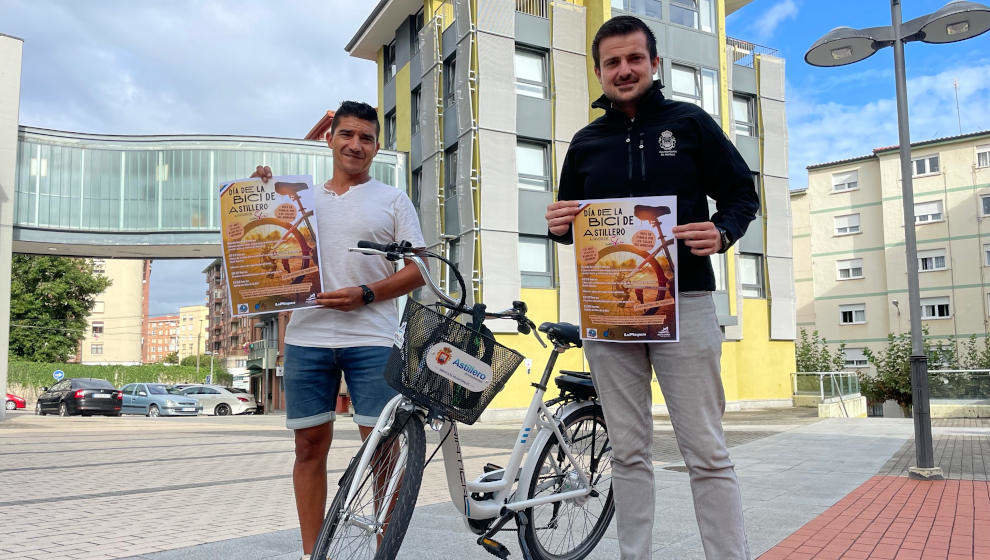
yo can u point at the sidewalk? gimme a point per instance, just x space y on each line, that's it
788 479
891 516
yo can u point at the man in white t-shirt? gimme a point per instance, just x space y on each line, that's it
352 331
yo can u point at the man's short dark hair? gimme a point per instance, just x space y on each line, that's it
623 25
358 110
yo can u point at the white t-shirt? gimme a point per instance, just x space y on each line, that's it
372 211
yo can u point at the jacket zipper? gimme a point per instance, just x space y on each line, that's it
629 159
642 158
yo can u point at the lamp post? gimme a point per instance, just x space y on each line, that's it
956 21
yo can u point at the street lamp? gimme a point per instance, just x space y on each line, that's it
956 21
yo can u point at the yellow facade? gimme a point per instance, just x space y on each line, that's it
193 326
755 369
113 331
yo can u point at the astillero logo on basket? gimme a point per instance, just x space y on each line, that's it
459 366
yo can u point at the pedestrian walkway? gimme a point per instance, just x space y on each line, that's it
891 516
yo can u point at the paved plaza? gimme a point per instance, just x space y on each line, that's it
220 487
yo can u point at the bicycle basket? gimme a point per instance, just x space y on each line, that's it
447 367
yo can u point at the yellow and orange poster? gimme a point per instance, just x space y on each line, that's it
627 269
270 247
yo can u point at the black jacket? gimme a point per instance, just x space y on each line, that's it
670 148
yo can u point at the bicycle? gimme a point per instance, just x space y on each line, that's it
556 486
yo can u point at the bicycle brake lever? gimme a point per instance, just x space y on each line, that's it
536 333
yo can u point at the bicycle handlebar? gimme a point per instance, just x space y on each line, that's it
405 251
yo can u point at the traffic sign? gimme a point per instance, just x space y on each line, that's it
58 374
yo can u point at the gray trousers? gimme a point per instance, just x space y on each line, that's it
689 375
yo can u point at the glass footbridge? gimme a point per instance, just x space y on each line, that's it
150 196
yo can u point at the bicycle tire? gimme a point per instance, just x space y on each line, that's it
655 266
528 533
308 255
331 538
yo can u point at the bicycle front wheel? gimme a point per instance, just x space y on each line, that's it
570 529
373 524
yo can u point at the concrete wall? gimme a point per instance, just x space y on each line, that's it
122 304
10 91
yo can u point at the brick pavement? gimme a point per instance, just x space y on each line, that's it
102 488
891 516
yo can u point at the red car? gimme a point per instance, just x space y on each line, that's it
13 401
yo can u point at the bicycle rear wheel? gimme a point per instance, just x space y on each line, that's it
570 529
391 480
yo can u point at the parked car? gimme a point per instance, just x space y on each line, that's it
245 393
80 395
156 399
220 401
13 401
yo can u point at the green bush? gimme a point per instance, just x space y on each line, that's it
39 374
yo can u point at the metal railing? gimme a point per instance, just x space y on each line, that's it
959 384
538 8
827 385
744 52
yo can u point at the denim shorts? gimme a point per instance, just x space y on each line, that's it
312 382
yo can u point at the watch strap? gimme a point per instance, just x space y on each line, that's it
367 294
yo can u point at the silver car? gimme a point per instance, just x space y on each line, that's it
220 401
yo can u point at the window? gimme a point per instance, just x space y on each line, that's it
415 186
846 225
852 314
931 260
692 13
414 109
388 62
935 308
849 269
451 217
97 307
650 8
718 267
454 256
925 212
845 181
751 275
531 73
855 358
531 166
926 165
986 254
417 22
449 68
744 114
97 328
695 86
390 130
983 156
96 349
535 261
99 266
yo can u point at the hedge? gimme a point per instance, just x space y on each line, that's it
39 374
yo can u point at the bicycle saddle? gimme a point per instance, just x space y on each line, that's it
289 188
562 332
650 213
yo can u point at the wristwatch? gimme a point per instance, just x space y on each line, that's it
367 294
726 240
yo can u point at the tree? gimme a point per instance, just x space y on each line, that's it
171 358
50 301
813 354
204 363
893 365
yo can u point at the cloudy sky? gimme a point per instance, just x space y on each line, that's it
273 68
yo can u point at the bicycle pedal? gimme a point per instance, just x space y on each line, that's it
495 548
490 467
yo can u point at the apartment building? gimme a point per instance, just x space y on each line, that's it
114 326
227 337
485 98
161 338
849 254
193 330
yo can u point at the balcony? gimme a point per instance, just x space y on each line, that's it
262 354
744 52
538 8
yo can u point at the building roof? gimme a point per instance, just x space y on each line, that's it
886 149
321 127
733 5
379 27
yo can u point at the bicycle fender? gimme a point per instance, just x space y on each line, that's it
541 439
453 465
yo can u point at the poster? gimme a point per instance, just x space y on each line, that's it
270 244
627 269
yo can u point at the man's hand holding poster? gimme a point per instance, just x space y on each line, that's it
270 247
627 269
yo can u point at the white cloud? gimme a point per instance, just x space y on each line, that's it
766 25
823 131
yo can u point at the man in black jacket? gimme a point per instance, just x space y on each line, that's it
646 145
